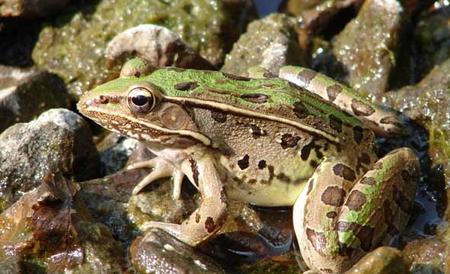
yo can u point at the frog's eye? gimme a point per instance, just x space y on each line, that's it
141 99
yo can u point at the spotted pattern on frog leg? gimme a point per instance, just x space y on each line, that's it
317 240
194 169
344 171
363 233
306 76
333 196
210 226
356 200
361 109
333 91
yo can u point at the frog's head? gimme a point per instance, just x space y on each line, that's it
137 108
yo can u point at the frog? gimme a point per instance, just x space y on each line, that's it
296 139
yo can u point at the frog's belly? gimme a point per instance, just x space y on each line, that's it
276 194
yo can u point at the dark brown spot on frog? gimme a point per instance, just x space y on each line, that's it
262 164
333 91
333 196
103 99
368 181
361 109
244 162
305 76
313 163
194 169
219 116
332 214
300 110
356 200
197 218
402 201
235 77
365 236
344 171
256 131
251 181
345 250
335 123
257 98
358 134
317 240
378 165
283 177
289 140
210 226
184 86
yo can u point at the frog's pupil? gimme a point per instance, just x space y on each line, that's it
140 100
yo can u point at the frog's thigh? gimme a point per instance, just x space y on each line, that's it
344 220
316 211
382 200
210 215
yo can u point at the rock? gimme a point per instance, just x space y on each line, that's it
48 229
58 141
428 255
30 9
27 93
428 103
366 47
73 45
156 44
160 252
383 260
269 43
432 37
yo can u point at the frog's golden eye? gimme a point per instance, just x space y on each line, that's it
141 100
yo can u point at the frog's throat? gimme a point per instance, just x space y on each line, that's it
244 112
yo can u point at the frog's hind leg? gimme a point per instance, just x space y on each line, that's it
161 169
381 120
338 218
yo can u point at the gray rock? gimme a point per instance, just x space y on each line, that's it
25 94
366 47
160 252
269 43
59 141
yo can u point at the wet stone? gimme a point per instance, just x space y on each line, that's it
58 141
26 93
161 252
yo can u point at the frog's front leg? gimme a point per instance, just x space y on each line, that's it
161 169
210 215
339 218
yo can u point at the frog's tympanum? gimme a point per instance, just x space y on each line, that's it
268 142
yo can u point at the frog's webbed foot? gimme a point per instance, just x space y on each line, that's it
161 169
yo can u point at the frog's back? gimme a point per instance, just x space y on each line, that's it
268 134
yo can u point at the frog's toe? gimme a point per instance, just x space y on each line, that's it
144 164
161 169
